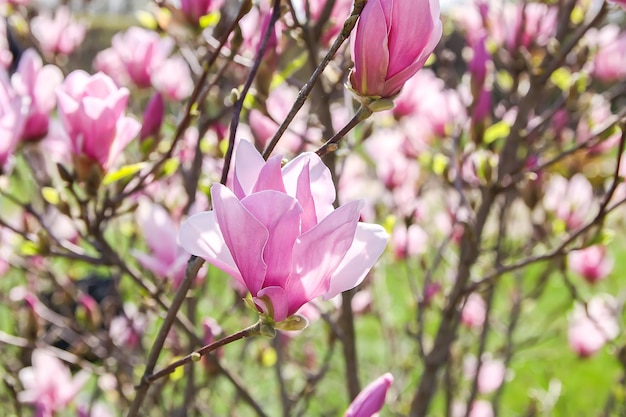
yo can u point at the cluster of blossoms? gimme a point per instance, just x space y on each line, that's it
479 164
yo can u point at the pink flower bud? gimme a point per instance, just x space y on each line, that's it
91 108
391 42
58 35
591 328
152 117
38 82
371 399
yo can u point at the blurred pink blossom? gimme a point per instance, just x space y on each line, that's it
140 51
529 24
490 376
390 43
592 263
430 106
48 384
195 9
474 311
589 330
571 200
126 330
333 24
609 63
408 241
371 399
38 82
167 259
13 114
91 108
278 104
278 233
173 79
60 34
153 118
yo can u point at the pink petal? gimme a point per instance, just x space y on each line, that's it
318 252
321 183
270 177
370 52
248 164
280 214
200 235
371 399
369 243
244 235
279 299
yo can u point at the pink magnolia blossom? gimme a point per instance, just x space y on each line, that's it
13 113
590 329
491 374
408 241
391 42
277 233
48 384
60 34
91 108
529 24
429 105
371 399
609 63
173 78
195 9
591 263
571 200
167 259
139 51
38 82
474 311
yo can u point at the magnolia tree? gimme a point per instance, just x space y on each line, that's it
319 207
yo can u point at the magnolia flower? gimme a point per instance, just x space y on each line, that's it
91 108
38 82
591 263
609 64
391 42
167 259
48 384
474 311
277 233
571 200
371 399
591 328
140 52
58 35
13 113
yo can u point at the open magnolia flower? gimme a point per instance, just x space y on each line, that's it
278 233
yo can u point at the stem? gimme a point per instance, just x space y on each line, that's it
308 87
253 330
349 344
193 266
331 145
